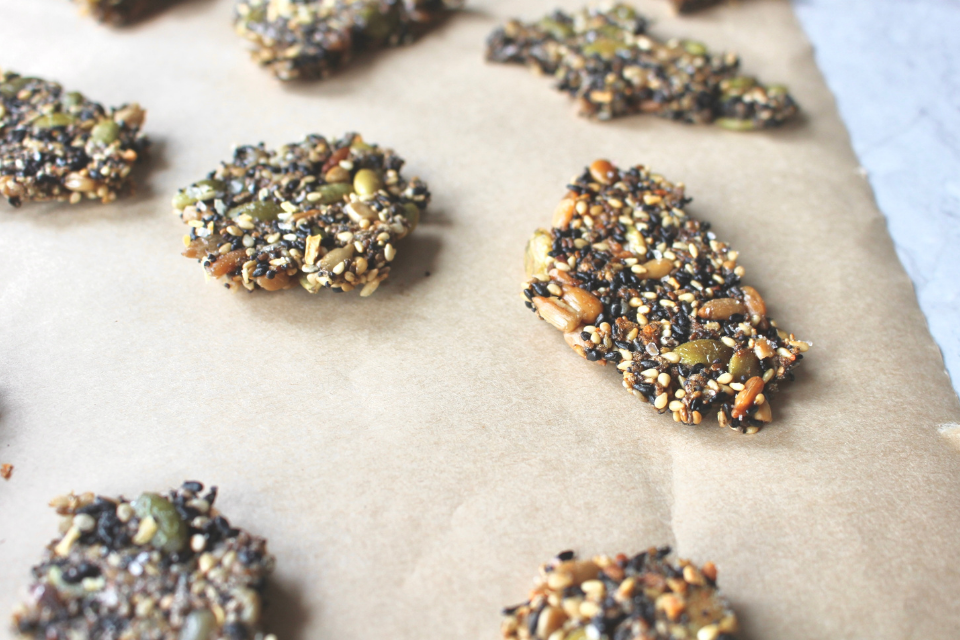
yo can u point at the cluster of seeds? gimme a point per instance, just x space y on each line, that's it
160 567
607 61
120 12
640 598
631 279
314 38
326 214
57 145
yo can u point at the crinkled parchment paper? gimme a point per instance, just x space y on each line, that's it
414 456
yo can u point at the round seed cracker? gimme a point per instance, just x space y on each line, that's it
57 145
640 598
163 567
318 213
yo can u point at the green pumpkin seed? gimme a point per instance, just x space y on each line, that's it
72 99
333 193
412 213
11 88
695 48
737 85
171 534
703 352
536 254
262 210
54 120
744 365
777 90
604 47
106 131
366 182
203 190
735 124
379 25
577 634
558 30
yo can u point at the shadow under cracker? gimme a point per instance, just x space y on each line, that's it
286 616
150 164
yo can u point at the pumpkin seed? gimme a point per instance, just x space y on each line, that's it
11 88
555 28
735 124
105 131
379 26
412 213
695 48
333 193
366 182
171 533
203 190
703 352
54 120
738 84
262 210
72 99
604 47
744 365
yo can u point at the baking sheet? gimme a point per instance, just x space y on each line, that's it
414 456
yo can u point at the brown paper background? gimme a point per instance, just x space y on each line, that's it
414 456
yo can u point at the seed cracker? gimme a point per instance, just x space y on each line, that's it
326 214
56 145
162 567
613 67
640 598
315 38
633 280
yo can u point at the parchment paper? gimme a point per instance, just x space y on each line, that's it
414 456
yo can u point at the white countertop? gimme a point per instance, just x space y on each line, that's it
894 67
